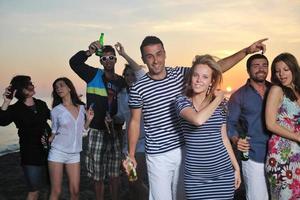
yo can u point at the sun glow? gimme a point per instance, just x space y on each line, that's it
228 88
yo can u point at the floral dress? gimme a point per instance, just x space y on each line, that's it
283 159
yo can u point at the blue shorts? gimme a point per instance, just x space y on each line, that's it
56 155
35 176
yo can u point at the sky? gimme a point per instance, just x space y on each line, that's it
38 37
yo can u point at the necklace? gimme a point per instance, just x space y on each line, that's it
198 107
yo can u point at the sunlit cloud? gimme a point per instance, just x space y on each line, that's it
217 27
66 25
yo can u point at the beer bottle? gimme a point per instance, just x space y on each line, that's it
46 140
132 176
99 51
245 154
109 123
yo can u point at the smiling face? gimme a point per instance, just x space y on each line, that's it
258 70
283 73
201 78
204 77
154 57
108 61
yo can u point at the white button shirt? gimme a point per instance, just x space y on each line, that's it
68 130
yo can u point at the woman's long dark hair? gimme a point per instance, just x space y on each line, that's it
74 97
293 65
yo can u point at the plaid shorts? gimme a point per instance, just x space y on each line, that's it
103 156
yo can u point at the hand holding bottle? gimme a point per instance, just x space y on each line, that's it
243 145
130 167
93 48
99 51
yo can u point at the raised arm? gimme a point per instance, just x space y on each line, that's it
120 49
230 61
78 65
273 103
5 111
198 118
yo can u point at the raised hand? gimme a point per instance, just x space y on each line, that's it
93 47
8 94
120 49
257 46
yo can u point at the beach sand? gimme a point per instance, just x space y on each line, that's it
12 185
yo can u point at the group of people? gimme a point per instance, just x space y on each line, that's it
179 129
69 119
268 114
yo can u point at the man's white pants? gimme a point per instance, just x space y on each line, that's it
255 180
165 173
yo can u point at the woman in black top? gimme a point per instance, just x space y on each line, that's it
30 116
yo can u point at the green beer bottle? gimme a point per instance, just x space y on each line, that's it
245 155
99 51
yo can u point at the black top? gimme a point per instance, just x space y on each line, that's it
31 125
95 78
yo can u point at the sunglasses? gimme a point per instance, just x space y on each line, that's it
107 58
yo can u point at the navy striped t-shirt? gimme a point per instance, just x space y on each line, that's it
156 98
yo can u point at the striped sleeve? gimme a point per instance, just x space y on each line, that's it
135 100
181 102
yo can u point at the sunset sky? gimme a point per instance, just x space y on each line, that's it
38 37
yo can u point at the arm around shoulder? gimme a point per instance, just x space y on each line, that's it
230 61
199 118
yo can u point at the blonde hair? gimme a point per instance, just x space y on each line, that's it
216 78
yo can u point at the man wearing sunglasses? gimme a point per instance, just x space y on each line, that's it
103 156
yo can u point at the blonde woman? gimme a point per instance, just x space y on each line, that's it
211 170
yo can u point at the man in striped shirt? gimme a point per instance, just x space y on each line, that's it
154 95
